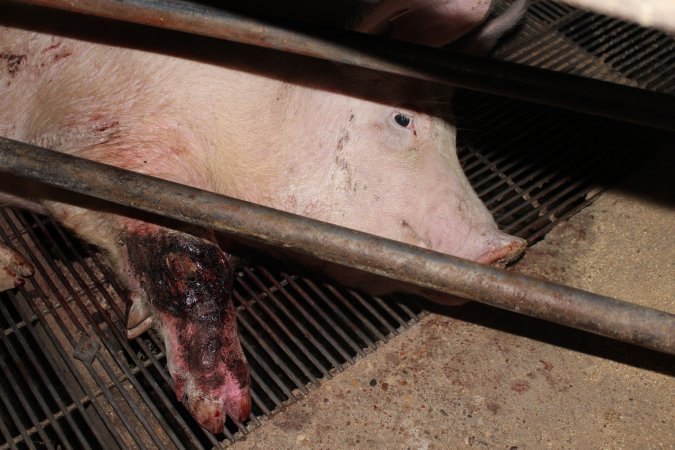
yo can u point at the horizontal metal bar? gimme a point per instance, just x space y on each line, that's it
537 298
432 64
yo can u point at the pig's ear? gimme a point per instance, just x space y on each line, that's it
427 22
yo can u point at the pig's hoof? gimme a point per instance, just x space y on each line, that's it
211 411
134 332
139 316
13 269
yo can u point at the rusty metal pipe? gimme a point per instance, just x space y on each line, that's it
432 64
609 317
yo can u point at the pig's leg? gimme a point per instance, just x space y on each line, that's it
13 266
185 282
139 315
13 269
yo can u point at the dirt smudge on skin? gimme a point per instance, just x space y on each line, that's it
344 176
54 46
409 230
64 54
344 139
107 126
14 62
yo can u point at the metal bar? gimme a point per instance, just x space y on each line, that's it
294 321
273 375
7 436
312 321
257 403
24 400
413 317
275 319
334 309
556 303
259 381
538 169
274 356
358 316
431 64
18 425
542 231
376 316
356 348
18 326
402 324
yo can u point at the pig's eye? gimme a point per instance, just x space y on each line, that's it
403 120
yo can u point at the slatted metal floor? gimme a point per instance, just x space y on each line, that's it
70 379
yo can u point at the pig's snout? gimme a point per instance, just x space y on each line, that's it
501 249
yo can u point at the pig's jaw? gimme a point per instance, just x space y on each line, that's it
188 282
501 249
484 244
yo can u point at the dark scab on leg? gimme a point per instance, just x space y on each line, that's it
179 271
188 283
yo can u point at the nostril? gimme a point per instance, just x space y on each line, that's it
504 251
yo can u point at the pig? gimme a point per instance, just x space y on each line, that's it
339 144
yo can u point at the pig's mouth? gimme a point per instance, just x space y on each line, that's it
503 252
500 253
187 281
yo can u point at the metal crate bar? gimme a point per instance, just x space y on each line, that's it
400 58
560 304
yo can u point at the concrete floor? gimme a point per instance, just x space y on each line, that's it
475 377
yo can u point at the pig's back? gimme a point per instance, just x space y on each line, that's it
69 94
60 92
